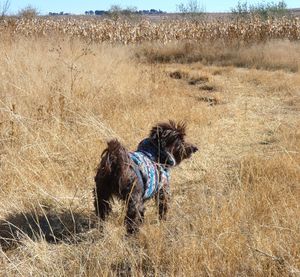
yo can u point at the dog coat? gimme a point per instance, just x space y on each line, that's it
152 175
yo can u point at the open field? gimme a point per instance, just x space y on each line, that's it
235 204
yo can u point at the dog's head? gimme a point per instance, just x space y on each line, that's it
170 138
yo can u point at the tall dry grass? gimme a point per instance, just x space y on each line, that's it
271 55
234 209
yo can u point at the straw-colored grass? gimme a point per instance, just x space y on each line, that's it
271 55
235 204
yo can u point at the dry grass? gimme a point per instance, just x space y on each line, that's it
271 55
235 207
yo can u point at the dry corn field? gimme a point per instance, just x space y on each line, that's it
235 205
125 32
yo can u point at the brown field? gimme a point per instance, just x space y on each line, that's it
235 204
139 30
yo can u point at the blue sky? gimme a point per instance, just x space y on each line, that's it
79 6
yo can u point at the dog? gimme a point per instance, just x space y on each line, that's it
138 176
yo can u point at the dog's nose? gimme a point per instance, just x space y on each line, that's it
195 149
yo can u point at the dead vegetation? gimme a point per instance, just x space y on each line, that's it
272 55
61 99
118 30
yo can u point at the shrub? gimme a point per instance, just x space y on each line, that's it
264 10
28 12
192 8
4 8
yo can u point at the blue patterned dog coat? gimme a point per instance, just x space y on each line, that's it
154 176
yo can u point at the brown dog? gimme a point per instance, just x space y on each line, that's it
138 176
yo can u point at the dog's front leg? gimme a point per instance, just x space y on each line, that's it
163 198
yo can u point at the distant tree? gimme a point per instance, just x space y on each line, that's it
131 9
192 8
28 12
100 12
4 7
56 14
117 11
89 12
263 9
241 9
268 9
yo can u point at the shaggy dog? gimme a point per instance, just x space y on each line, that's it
138 176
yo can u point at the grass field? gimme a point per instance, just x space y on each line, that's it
235 204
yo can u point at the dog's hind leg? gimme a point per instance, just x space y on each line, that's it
135 209
102 201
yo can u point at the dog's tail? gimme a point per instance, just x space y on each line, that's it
112 172
114 157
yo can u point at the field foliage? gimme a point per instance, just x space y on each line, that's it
94 29
63 94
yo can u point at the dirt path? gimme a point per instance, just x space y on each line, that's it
252 112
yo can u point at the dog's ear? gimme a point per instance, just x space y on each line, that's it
180 129
168 131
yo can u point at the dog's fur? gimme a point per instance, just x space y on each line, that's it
116 175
